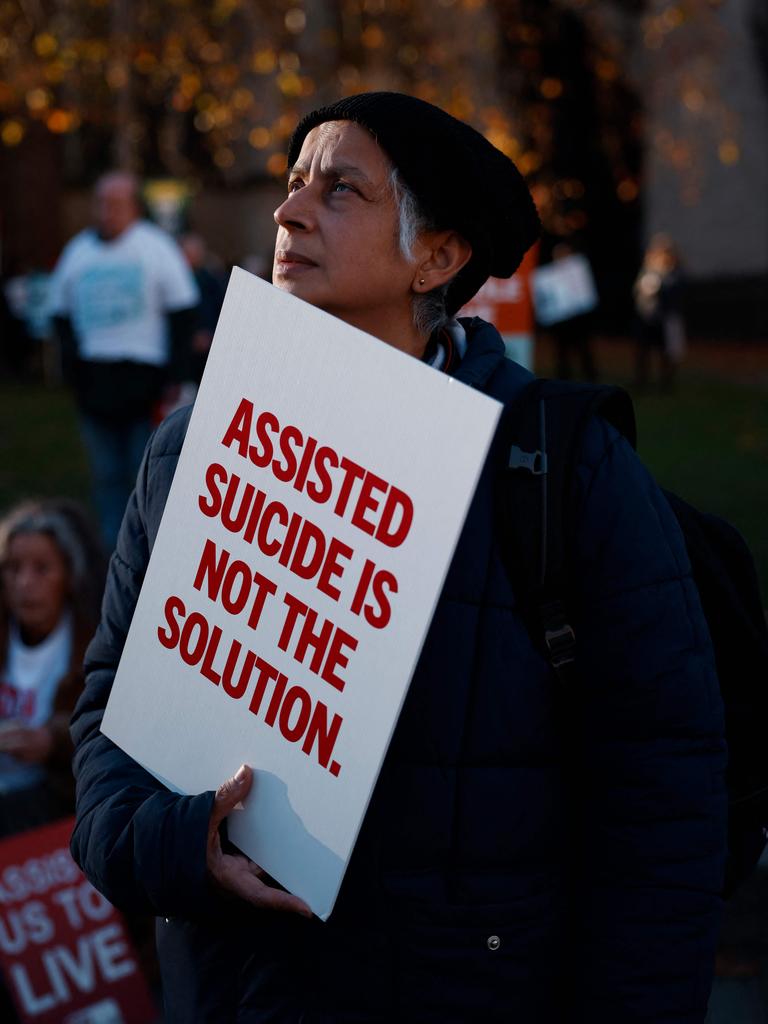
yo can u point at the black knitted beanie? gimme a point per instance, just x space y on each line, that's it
460 180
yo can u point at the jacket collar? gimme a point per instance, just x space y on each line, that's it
485 353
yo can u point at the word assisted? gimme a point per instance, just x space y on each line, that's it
370 503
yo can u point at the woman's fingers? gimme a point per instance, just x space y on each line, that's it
241 877
237 873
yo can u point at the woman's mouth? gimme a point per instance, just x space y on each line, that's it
289 262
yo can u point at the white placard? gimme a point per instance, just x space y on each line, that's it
241 648
563 289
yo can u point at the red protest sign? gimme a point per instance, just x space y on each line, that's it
64 952
507 302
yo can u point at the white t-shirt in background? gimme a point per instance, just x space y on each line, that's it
28 683
117 293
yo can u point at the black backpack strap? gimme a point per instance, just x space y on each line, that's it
545 426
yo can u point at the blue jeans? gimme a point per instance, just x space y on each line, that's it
114 453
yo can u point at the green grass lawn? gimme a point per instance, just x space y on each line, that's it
708 441
40 453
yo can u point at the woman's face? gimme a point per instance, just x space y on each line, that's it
36 583
337 240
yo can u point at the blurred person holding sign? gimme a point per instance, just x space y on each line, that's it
566 297
495 876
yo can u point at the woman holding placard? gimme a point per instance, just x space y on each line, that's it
478 889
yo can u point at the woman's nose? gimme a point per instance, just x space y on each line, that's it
296 211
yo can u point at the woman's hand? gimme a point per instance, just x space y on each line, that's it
32 746
235 872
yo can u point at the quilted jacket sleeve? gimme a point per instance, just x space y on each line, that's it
139 844
652 801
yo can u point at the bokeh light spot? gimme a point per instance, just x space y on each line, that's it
408 54
260 137
45 44
277 164
289 83
11 132
729 152
264 62
61 121
373 37
224 157
627 190
38 100
551 88
295 20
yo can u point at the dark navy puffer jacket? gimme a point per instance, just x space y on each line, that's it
519 862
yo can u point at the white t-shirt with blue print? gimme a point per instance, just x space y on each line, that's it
117 293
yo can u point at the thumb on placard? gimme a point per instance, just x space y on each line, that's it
230 793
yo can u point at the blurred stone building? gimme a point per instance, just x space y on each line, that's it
705 89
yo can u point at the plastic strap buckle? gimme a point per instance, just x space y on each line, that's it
561 644
532 462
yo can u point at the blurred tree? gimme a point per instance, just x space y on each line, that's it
209 90
579 133
190 86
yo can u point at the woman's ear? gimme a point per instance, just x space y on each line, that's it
444 253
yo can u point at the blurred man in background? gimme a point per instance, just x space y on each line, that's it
123 302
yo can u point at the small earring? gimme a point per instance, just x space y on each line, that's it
421 280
